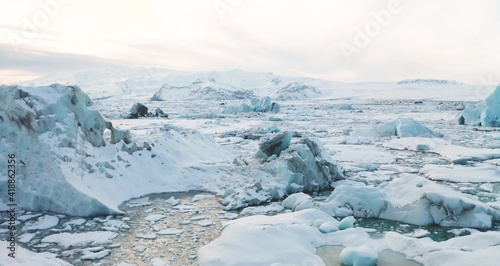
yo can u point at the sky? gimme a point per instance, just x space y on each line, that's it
339 40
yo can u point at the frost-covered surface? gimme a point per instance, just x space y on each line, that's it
485 113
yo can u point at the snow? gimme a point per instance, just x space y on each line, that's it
199 148
459 173
238 243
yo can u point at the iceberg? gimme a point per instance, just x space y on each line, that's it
411 199
485 113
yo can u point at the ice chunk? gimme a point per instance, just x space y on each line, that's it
263 104
328 227
358 256
412 199
347 222
404 128
81 239
170 231
44 222
485 113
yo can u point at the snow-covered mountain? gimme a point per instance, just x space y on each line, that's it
429 81
165 84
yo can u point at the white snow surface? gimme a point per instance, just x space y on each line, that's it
459 173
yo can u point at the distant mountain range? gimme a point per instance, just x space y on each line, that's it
428 81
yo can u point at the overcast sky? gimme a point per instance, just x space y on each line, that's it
341 40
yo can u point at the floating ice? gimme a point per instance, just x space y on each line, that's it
81 239
412 199
358 256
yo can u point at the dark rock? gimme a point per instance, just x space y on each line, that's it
138 110
275 145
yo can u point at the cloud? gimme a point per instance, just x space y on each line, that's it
454 39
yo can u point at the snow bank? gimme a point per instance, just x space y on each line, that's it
68 166
485 113
411 199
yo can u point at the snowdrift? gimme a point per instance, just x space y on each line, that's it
485 113
65 163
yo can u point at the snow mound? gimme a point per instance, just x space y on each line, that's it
485 113
411 199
